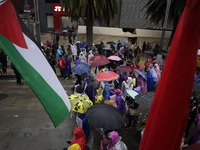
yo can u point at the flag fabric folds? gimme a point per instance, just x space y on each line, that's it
167 118
19 45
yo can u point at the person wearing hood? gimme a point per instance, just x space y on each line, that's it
90 56
89 89
153 73
79 138
139 67
67 66
59 52
140 81
106 94
114 142
147 63
127 85
82 58
77 61
82 121
158 72
119 100
118 45
150 81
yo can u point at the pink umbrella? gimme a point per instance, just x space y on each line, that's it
116 58
99 60
107 76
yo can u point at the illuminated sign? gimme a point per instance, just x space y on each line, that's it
57 9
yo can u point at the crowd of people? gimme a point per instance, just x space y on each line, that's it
103 92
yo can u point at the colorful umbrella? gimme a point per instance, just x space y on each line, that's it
81 68
123 69
141 74
99 60
132 93
115 58
80 103
105 116
107 76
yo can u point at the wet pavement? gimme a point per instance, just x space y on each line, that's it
25 125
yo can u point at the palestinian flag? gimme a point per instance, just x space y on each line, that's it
19 45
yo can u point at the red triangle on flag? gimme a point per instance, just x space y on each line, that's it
9 26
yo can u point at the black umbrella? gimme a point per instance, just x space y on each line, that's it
148 52
196 88
104 116
145 99
111 42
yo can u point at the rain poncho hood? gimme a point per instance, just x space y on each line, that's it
150 81
79 137
116 144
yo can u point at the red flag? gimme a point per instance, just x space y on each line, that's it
168 115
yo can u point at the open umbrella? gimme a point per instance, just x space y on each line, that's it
99 60
148 52
107 76
64 31
140 73
115 58
196 88
105 116
123 69
132 93
81 68
110 42
145 99
80 103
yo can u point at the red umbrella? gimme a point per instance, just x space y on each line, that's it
107 76
99 60
123 69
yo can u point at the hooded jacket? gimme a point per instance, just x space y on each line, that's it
79 138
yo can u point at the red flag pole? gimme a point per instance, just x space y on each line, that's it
169 111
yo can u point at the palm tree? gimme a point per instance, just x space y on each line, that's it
156 11
91 9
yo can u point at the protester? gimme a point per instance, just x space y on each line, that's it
79 138
90 56
113 142
162 62
158 72
62 66
17 74
119 99
140 81
150 81
153 73
127 85
106 94
89 89
67 66
82 58
59 52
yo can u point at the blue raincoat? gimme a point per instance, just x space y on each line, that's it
150 81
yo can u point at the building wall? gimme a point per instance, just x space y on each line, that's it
134 16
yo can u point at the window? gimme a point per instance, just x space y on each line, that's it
52 1
50 21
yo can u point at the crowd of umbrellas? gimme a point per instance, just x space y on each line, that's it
105 116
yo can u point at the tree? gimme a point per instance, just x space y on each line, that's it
156 11
91 9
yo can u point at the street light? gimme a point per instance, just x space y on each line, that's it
37 21
165 24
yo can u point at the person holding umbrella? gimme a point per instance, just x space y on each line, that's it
113 142
119 100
